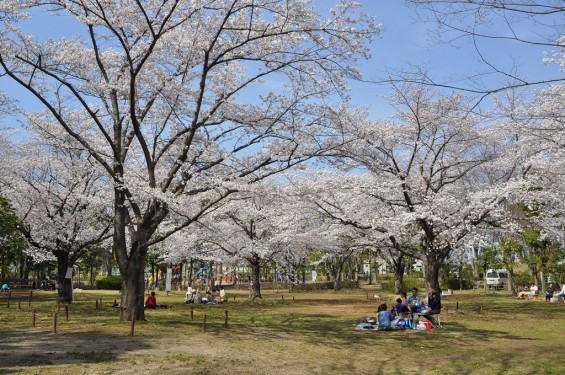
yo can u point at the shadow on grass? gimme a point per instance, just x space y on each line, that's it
26 349
335 332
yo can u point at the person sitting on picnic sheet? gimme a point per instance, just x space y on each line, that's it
433 307
197 296
5 287
190 298
189 293
151 302
210 298
404 300
222 295
385 318
414 301
398 306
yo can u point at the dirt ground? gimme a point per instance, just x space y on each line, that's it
26 352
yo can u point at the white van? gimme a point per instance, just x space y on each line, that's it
496 278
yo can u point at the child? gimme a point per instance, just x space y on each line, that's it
384 317
398 306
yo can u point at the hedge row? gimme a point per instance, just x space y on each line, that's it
113 282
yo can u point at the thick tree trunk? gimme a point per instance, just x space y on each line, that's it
255 263
133 287
432 268
65 286
132 263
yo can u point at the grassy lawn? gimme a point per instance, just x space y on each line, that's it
284 333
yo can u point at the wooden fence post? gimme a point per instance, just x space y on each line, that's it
191 312
55 322
226 321
204 324
132 328
67 313
33 313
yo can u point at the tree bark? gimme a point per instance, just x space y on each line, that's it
65 286
255 263
133 287
432 267
398 266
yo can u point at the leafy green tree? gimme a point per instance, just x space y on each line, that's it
12 242
510 251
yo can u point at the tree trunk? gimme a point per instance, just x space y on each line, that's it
511 283
334 267
255 263
432 268
65 286
110 263
133 288
132 265
398 267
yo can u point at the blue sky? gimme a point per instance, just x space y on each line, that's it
403 43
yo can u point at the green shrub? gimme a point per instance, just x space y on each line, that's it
454 284
113 282
522 278
413 282
408 282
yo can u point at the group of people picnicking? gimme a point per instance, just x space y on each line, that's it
409 307
195 296
192 296
533 291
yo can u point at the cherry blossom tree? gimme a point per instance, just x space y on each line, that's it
306 228
426 179
181 102
62 198
242 229
340 200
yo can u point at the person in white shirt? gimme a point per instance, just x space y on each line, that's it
189 292
533 291
561 294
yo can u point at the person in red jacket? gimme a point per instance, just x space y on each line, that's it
151 302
